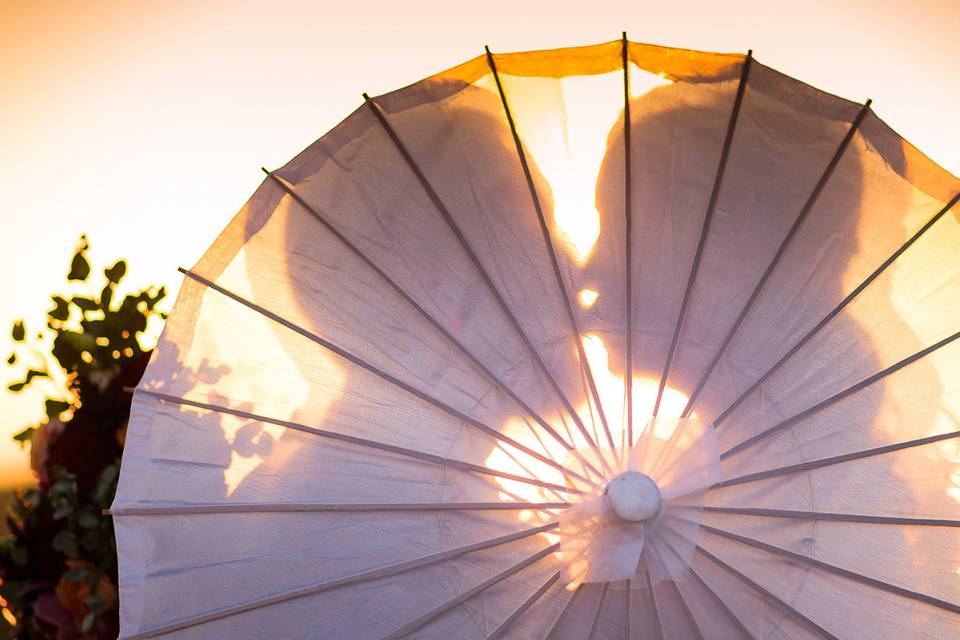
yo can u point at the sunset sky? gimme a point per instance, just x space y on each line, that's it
144 125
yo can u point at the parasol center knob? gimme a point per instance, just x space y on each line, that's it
634 497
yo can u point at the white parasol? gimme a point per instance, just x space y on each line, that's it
618 341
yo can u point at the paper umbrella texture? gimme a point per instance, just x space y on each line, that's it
618 341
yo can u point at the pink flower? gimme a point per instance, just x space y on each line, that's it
73 595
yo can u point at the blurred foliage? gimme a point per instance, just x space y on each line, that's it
58 565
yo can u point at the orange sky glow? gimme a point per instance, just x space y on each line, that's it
144 125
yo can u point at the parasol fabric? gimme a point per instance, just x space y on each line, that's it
618 341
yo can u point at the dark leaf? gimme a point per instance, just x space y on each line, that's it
91 540
106 296
109 474
79 267
31 374
116 272
56 407
106 484
152 302
87 623
76 576
63 475
88 520
86 304
66 543
62 511
95 603
61 309
12 359
69 346
19 555
19 331
25 435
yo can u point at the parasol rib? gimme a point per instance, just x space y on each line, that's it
866 382
824 462
441 609
776 601
363 442
423 312
628 210
379 373
655 608
285 507
627 601
731 616
688 614
471 254
596 613
369 574
564 611
504 626
708 216
832 568
835 311
548 243
781 250
833 517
